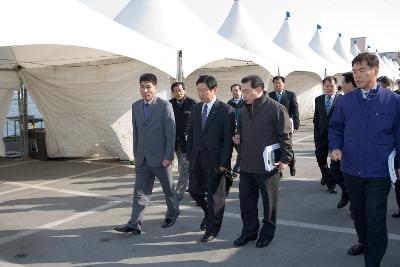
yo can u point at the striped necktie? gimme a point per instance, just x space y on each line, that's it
204 116
328 104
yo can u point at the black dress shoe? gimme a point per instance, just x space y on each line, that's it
243 240
168 222
203 224
332 190
323 180
396 214
343 201
261 242
292 170
356 249
127 229
207 237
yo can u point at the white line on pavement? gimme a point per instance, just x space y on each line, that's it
312 226
50 225
16 164
302 139
57 180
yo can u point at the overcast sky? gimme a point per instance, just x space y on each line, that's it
378 20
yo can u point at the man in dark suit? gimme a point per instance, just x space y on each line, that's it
182 105
209 151
236 102
289 101
324 108
153 134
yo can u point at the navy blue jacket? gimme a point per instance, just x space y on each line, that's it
366 131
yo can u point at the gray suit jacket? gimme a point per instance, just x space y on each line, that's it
153 138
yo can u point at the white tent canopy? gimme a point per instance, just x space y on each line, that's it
318 45
83 93
384 69
173 24
354 49
338 47
391 65
239 28
286 39
68 22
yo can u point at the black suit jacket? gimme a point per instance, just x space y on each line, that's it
321 120
289 101
215 138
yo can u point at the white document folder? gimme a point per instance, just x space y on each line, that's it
269 158
392 170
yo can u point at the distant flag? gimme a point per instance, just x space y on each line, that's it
319 27
340 35
287 14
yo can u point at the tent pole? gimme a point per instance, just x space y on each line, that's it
179 69
23 120
279 71
325 73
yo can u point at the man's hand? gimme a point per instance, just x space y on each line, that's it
236 139
281 166
336 155
166 163
222 169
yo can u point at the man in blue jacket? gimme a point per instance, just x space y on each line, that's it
364 130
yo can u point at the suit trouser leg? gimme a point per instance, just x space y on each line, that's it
369 204
397 191
321 153
197 186
164 175
238 158
183 169
141 194
216 187
248 196
269 188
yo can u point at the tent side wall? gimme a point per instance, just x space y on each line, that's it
307 87
226 76
5 103
87 109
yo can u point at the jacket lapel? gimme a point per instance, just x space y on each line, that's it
322 107
211 115
333 105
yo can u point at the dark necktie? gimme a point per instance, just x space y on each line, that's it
146 110
204 116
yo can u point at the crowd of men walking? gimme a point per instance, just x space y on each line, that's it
358 130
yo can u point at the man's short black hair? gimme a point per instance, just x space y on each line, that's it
348 78
278 78
254 80
236 84
209 80
148 77
175 84
371 59
331 79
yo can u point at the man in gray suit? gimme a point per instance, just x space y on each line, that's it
153 147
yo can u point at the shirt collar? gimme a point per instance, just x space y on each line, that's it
149 102
332 96
211 103
373 91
